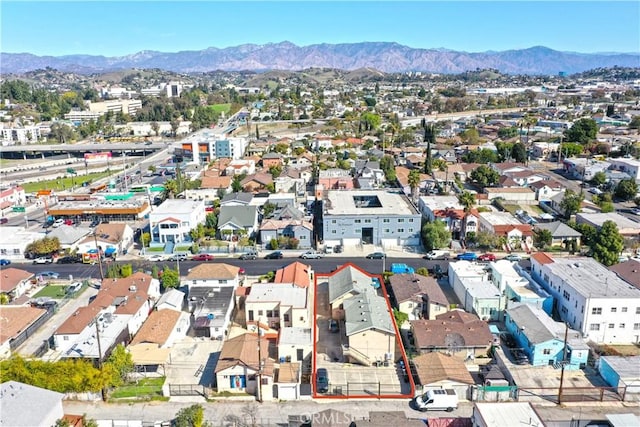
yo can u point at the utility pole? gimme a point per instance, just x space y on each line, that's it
259 388
564 362
95 239
103 390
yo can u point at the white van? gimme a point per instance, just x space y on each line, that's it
444 399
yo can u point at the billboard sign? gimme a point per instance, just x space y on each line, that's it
97 157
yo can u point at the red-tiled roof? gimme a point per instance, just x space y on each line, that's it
542 258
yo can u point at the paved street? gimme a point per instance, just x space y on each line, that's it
225 412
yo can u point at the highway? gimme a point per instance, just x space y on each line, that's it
416 121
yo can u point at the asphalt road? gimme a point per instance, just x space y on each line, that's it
252 268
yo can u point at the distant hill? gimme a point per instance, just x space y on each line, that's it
382 56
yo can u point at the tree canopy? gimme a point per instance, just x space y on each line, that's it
627 189
571 202
607 244
435 235
485 176
583 131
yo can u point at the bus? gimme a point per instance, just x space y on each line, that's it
97 188
140 188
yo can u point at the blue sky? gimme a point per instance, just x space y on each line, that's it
114 28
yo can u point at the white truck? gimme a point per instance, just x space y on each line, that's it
438 254
444 399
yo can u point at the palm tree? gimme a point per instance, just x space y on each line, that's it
170 188
414 182
467 200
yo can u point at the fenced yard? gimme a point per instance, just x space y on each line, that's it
146 388
52 291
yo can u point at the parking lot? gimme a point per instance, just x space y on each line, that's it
351 379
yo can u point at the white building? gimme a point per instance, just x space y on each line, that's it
125 106
428 205
590 298
19 135
276 306
14 241
629 166
475 290
174 218
209 145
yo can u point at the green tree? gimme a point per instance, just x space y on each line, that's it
211 221
170 278
470 136
430 139
467 200
571 202
236 185
120 363
275 171
486 240
61 133
435 235
519 153
126 270
423 271
268 209
508 132
485 176
171 188
484 155
145 238
197 233
627 189
599 179
570 149
542 238
400 317
583 131
607 244
370 121
192 416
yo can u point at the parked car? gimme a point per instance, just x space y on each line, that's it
249 255
202 257
635 211
4 220
322 380
333 326
68 260
57 223
467 256
95 223
48 275
487 257
377 255
43 260
274 255
438 254
595 191
311 255
4 261
513 257
68 222
156 258
178 257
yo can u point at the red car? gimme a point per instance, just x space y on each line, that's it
487 257
203 257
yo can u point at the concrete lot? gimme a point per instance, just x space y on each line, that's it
193 360
350 378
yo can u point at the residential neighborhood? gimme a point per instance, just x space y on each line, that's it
351 240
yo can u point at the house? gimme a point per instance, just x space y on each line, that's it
438 370
300 230
335 179
272 159
17 323
582 168
9 197
629 166
14 241
508 167
240 167
238 220
70 237
236 199
526 178
418 296
172 299
294 344
256 182
172 221
425 182
24 405
590 298
15 282
244 366
503 224
296 273
210 180
162 327
505 414
112 239
117 313
628 271
377 217
456 332
287 378
521 195
542 339
475 290
211 298
272 306
626 226
560 232
546 190
622 373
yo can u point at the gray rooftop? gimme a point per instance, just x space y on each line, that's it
558 229
591 279
26 405
210 300
367 311
244 198
625 367
368 202
348 280
243 216
295 336
538 326
68 235
173 298
598 219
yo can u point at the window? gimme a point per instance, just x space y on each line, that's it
358 221
411 230
333 221
564 310
546 351
637 310
286 317
269 313
333 231
367 221
596 310
222 282
594 327
622 326
410 219
386 230
636 326
623 309
611 325
385 220
614 309
66 338
260 312
400 230
566 295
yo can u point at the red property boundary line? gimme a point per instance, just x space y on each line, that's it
395 328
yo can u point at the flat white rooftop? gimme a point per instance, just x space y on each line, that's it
178 206
436 203
500 218
591 278
295 336
368 202
285 294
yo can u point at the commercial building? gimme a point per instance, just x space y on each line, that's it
208 146
375 217
125 106
590 298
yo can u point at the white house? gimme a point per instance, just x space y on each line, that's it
174 218
276 306
590 298
475 290
24 405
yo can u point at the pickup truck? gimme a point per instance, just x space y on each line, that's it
444 399
311 255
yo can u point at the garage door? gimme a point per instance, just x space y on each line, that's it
287 392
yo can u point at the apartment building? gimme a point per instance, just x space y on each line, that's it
590 298
12 135
174 218
125 106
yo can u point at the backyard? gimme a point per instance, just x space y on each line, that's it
52 291
145 388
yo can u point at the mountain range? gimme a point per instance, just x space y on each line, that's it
383 56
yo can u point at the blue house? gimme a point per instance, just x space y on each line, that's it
542 338
623 373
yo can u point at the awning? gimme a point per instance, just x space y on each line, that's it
149 354
110 250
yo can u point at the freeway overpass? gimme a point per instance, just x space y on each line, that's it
416 121
78 150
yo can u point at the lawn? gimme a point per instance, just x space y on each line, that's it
65 182
146 387
52 291
218 108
